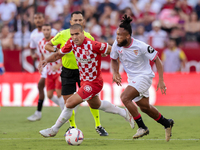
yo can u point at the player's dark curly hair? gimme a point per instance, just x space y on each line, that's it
125 23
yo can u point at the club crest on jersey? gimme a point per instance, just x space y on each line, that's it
136 52
88 88
120 51
150 49
87 53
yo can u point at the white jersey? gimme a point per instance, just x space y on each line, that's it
36 36
135 58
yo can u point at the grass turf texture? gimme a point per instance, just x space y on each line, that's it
17 133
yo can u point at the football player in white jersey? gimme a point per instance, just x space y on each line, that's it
36 36
134 56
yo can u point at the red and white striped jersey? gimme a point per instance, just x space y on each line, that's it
45 53
88 57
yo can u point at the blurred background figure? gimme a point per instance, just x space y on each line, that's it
107 35
7 12
6 38
192 28
1 60
173 57
94 28
141 34
58 25
157 37
52 11
22 38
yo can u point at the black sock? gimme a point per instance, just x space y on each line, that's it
140 123
164 122
40 104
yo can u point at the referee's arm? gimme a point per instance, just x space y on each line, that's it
50 47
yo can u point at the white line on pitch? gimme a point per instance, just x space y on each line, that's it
96 139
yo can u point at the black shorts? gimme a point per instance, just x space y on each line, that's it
69 78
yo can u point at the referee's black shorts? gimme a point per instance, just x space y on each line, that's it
69 78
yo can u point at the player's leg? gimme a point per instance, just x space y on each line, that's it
95 113
72 102
108 107
38 114
67 91
127 96
69 78
58 88
156 115
50 86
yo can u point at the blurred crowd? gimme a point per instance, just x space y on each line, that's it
154 21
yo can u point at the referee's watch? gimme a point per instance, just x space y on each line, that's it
55 49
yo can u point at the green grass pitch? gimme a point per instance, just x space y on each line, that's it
17 133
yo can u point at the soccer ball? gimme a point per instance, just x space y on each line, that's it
74 136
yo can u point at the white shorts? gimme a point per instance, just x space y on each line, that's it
142 84
44 72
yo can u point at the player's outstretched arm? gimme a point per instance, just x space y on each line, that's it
161 83
115 69
109 50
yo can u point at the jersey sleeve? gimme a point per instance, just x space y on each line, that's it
39 47
114 54
182 55
67 47
148 51
32 43
100 47
57 39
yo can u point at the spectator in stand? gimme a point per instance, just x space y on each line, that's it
169 18
173 58
6 38
7 12
155 5
134 7
169 4
64 2
141 34
18 38
66 17
1 60
18 22
121 4
58 25
157 37
197 9
88 10
94 28
192 28
187 9
178 34
53 10
101 7
107 36
109 17
146 17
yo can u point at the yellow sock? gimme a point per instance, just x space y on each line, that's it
95 113
72 120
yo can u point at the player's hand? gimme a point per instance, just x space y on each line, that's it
41 65
117 78
162 87
34 56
